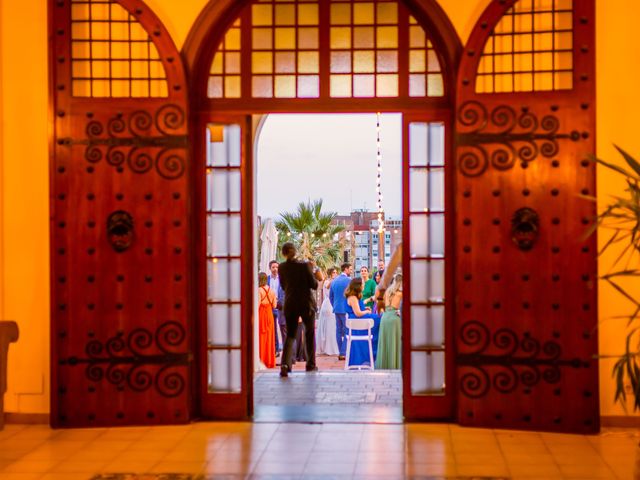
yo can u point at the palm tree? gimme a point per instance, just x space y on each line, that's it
312 232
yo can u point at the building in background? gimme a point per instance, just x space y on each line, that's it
362 240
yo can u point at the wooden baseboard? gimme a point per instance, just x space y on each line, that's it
620 421
27 418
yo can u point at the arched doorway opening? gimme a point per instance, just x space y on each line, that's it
320 57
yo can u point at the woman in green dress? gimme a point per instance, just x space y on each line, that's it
369 288
390 336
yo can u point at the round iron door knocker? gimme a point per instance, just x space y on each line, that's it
120 230
524 228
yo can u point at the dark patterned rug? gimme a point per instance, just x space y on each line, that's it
186 476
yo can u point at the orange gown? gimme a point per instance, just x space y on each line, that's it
267 333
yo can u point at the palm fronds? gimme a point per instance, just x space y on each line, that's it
312 232
622 217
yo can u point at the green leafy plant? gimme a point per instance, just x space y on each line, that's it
312 232
622 217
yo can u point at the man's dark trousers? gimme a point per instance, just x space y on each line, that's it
308 321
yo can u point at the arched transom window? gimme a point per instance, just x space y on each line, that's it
325 49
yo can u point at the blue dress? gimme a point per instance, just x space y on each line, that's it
360 350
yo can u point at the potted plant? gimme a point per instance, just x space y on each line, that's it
622 218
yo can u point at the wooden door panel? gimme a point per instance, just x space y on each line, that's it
120 336
525 276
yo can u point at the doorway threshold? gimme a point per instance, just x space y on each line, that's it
329 397
336 413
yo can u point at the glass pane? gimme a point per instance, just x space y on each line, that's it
224 143
418 144
285 62
308 62
426 144
427 326
387 85
340 14
224 371
340 37
416 37
285 86
426 190
223 190
363 37
262 62
261 38
261 14
214 89
363 13
223 280
232 39
340 85
417 86
223 325
363 85
308 86
308 14
427 373
232 86
308 38
223 235
427 235
427 280
363 61
436 144
433 64
262 86
387 37
340 62
435 87
417 61
387 13
285 15
285 38
387 61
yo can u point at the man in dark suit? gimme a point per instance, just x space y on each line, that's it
297 280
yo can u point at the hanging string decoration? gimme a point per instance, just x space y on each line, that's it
381 228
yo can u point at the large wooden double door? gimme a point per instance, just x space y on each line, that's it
152 215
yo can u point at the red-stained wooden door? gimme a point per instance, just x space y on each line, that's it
525 277
120 248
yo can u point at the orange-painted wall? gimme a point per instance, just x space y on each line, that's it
24 169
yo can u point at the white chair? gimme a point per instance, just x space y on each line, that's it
359 324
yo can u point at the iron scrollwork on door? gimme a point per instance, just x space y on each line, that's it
519 360
503 136
129 361
140 140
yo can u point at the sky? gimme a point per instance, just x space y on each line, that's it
304 157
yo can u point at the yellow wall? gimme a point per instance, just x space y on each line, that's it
25 200
24 168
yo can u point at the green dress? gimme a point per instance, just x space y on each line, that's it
369 290
389 354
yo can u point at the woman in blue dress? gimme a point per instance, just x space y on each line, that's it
359 355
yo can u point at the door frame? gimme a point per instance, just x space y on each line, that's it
422 407
231 406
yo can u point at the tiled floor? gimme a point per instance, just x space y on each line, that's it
323 451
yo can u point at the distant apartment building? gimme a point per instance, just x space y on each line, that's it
362 240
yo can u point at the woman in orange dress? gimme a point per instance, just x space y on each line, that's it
265 319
